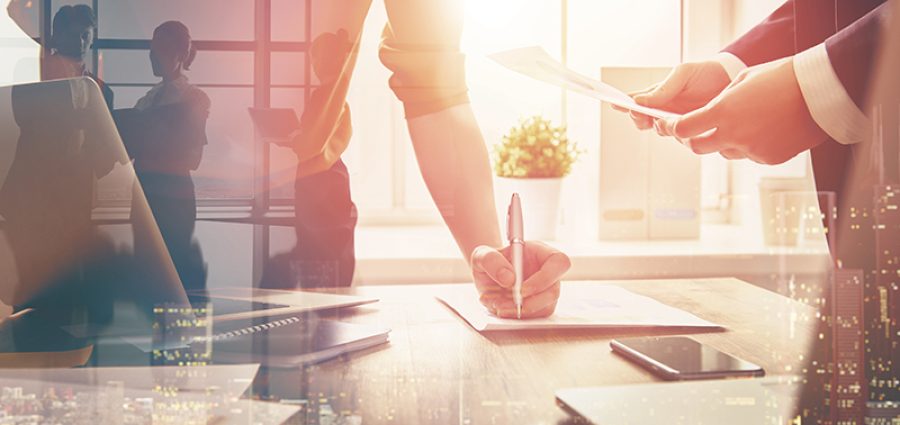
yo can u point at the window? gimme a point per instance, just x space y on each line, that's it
233 45
253 53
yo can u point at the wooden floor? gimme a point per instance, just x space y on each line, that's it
437 369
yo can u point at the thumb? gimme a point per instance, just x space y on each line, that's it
666 91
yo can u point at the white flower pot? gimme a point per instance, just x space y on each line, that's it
540 204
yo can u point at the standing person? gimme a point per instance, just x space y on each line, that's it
65 52
167 144
420 46
810 66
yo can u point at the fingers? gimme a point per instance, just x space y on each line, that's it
619 108
635 94
732 154
666 91
538 305
493 264
658 96
707 143
543 265
662 127
694 123
641 121
550 273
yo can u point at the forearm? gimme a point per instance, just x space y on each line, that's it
454 163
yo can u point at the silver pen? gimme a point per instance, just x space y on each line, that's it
514 233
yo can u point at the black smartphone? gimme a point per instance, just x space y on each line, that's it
679 358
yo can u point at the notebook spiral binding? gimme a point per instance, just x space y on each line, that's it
250 330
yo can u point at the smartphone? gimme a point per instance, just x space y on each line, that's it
679 358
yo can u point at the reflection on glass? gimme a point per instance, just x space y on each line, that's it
165 134
71 279
136 19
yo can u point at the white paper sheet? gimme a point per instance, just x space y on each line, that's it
536 63
600 306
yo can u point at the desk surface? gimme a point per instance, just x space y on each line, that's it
437 369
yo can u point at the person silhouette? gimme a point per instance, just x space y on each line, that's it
65 51
169 145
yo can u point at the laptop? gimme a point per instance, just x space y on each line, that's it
275 125
753 401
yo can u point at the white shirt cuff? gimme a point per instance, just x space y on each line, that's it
733 65
828 102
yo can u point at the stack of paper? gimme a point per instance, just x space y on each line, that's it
602 306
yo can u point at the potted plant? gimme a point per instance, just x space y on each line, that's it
532 160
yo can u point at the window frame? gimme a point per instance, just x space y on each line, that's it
260 205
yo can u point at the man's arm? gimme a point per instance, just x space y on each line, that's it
834 77
771 39
852 51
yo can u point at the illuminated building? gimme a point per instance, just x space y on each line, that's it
882 308
182 336
848 383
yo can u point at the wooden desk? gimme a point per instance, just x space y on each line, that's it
437 369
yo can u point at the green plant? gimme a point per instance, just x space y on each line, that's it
535 149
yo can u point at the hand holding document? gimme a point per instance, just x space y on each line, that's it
536 63
600 306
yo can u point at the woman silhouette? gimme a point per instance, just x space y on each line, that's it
174 114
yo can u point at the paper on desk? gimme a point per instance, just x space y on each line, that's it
601 306
536 63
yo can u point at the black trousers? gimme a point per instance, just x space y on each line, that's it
326 218
172 201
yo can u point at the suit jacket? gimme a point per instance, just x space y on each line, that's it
851 31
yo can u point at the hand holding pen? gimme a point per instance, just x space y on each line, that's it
495 277
515 235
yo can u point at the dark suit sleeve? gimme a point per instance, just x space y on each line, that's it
771 39
852 52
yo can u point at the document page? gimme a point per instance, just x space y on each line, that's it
603 306
536 63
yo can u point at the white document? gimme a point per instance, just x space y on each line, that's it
600 306
536 63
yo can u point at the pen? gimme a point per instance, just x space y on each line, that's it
514 233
